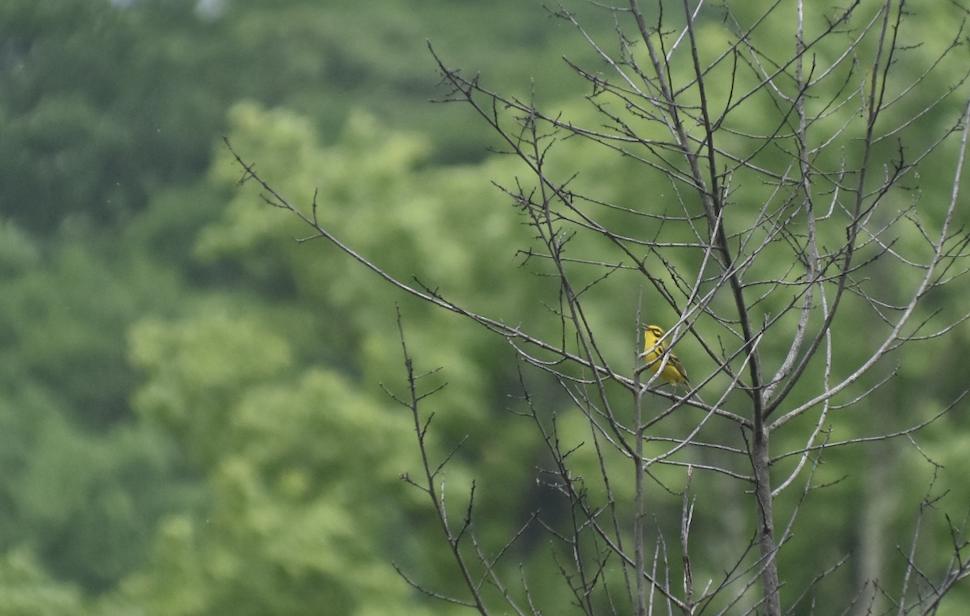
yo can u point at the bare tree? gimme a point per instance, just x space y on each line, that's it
787 235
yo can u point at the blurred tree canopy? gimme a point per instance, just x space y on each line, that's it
102 105
192 418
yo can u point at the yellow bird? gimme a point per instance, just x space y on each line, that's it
653 351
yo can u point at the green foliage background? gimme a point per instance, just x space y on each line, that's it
192 418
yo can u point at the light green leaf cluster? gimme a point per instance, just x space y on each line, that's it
301 466
27 590
303 457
